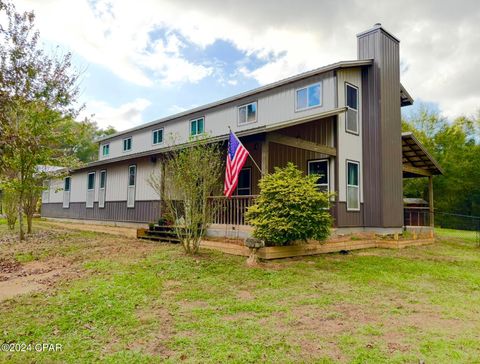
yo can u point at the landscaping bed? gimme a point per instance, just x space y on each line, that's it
312 248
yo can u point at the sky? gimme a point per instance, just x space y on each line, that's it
146 59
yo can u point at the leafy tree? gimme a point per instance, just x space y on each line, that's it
37 100
188 177
85 147
290 208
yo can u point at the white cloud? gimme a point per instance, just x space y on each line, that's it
122 117
439 40
116 35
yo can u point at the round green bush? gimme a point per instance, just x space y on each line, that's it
290 208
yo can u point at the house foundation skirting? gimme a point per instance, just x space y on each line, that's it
116 211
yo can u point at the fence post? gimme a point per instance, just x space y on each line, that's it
430 200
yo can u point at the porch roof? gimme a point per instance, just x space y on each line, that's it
417 162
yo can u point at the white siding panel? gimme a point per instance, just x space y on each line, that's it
117 180
56 190
144 191
79 187
350 145
66 199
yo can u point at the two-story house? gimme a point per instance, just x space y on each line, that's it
341 121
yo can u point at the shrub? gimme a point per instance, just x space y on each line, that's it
10 207
290 208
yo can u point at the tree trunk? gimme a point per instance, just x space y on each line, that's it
20 219
29 223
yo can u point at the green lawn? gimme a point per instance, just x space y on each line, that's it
128 301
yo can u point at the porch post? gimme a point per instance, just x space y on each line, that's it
265 145
430 199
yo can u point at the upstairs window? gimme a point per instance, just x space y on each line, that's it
353 186
105 150
351 97
247 113
309 96
320 168
157 136
127 144
197 126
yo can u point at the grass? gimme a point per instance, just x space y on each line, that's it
462 235
139 302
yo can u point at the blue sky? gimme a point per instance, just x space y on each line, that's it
147 59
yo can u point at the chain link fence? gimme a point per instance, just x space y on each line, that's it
460 226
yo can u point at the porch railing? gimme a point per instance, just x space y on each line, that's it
416 216
231 211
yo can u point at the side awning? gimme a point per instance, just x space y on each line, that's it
417 162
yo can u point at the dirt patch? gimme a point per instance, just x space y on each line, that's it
55 255
33 276
155 343
114 230
245 295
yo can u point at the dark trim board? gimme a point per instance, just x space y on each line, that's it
143 212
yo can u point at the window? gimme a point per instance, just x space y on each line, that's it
310 96
66 184
247 113
91 181
320 168
103 179
127 144
132 171
101 190
157 136
105 149
244 186
351 96
131 175
196 126
353 189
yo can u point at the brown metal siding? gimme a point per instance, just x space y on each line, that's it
144 211
319 131
382 166
346 218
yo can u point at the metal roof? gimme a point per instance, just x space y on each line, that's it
405 98
416 155
317 71
414 201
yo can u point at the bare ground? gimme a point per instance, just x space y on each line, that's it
54 255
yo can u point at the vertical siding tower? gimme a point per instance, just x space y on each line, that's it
382 144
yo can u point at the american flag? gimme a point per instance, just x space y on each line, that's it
236 157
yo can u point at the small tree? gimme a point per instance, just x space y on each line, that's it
290 208
10 208
190 175
37 100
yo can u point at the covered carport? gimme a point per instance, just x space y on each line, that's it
418 163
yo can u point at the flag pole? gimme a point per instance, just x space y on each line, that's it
253 160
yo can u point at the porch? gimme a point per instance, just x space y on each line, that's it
229 214
418 163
